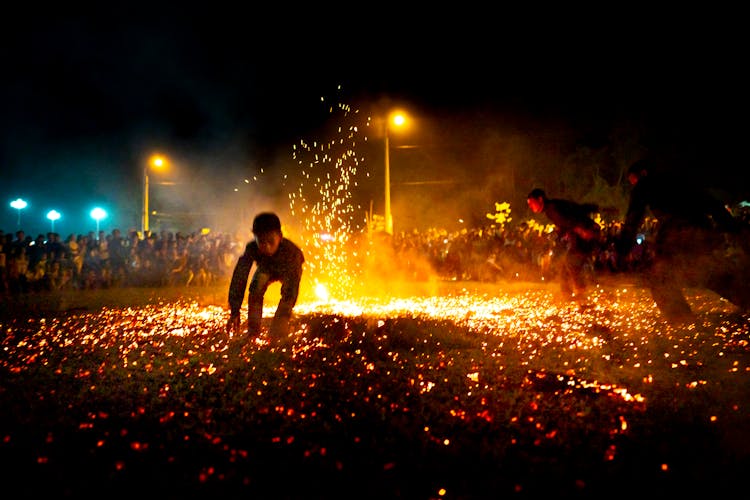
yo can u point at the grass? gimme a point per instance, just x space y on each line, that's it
480 391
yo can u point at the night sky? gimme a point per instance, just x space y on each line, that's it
87 96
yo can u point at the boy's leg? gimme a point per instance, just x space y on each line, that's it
289 294
256 292
666 291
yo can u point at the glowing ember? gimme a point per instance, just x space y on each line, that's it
468 348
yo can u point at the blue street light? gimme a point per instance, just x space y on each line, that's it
98 214
53 215
19 205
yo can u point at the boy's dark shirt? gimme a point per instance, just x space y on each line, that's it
286 262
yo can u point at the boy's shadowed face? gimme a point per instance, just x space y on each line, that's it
268 243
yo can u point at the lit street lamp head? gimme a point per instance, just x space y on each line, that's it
19 204
157 161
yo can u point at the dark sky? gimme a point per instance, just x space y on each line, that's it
86 95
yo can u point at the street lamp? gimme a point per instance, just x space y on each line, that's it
53 215
19 205
396 119
156 161
98 214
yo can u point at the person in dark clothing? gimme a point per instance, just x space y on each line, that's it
690 242
276 259
578 235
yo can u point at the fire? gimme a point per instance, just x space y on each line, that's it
322 292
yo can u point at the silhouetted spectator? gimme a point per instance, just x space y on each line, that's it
690 240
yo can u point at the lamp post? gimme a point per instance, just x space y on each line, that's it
19 205
156 161
98 214
398 120
53 215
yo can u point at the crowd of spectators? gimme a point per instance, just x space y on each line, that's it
106 260
526 251
110 259
529 251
